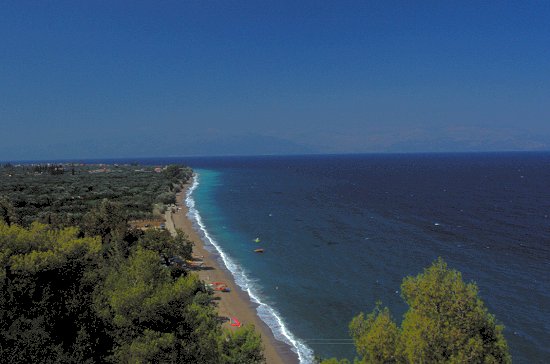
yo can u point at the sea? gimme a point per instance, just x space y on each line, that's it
340 232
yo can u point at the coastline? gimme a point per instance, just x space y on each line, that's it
236 303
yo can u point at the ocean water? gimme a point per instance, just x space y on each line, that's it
341 232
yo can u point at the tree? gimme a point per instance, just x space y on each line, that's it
376 336
151 347
147 307
166 245
108 220
446 323
158 318
177 172
167 198
243 346
138 292
45 308
7 212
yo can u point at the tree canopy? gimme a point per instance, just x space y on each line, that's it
446 322
44 193
7 211
46 280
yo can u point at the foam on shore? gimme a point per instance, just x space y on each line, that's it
266 313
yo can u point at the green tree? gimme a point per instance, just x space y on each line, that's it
167 245
45 306
446 322
147 306
376 336
140 290
167 198
7 212
150 347
176 172
243 346
108 220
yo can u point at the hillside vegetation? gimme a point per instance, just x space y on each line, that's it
99 291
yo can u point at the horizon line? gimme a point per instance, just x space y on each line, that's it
74 160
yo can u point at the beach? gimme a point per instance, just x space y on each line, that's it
235 303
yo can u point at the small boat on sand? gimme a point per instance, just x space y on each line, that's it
258 250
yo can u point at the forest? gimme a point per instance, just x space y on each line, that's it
61 195
79 285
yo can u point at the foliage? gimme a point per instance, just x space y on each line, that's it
44 193
446 323
150 347
176 172
52 169
7 212
108 220
166 245
150 309
242 346
376 336
45 304
63 301
139 291
100 291
167 198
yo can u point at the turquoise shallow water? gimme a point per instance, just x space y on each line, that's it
340 233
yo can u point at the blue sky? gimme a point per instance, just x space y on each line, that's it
166 78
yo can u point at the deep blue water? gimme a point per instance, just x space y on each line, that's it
341 232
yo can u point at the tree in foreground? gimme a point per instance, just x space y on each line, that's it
243 346
446 322
45 306
63 301
156 318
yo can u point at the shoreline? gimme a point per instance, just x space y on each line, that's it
236 303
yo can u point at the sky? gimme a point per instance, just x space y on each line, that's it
92 79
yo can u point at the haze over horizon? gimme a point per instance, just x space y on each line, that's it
149 79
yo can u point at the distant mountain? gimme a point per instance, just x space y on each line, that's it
179 143
156 146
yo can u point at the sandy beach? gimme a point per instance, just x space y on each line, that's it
230 304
